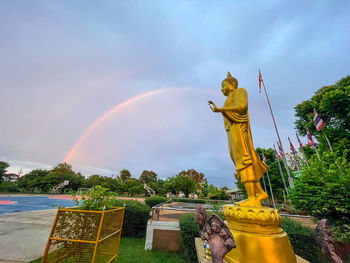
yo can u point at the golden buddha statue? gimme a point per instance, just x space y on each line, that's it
255 228
249 168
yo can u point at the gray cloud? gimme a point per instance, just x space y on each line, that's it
64 63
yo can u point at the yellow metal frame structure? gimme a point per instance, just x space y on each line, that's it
84 236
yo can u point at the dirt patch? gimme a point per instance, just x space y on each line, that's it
171 215
305 221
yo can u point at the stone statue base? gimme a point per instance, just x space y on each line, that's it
258 236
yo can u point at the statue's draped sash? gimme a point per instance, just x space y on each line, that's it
239 137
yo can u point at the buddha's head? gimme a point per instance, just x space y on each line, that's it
229 84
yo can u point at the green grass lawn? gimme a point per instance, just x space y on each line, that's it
132 250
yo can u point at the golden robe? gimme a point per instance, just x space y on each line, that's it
239 137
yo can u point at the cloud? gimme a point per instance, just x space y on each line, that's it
65 63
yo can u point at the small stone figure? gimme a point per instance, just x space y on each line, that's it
333 249
216 233
207 251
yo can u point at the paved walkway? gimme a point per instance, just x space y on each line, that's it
23 235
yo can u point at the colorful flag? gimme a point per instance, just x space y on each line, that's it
260 80
318 121
276 154
300 143
280 150
309 139
263 158
291 146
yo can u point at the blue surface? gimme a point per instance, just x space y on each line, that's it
31 203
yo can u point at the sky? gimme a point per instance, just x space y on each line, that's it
108 85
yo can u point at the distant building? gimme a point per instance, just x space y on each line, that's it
235 194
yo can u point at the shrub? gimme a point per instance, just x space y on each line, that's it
303 240
155 200
8 187
135 218
189 231
188 200
97 198
323 191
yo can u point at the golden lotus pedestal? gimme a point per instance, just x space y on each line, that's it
258 235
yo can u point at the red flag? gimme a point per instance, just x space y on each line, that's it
280 150
300 143
291 146
263 158
309 139
276 154
260 80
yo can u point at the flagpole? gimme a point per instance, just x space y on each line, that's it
329 144
284 196
318 155
280 168
291 183
273 199
290 179
264 185
293 152
306 160
301 149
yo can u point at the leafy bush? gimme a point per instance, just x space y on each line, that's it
135 217
155 200
303 240
323 191
8 187
97 198
189 231
188 200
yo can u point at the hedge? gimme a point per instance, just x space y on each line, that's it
303 240
189 231
135 218
155 200
7 187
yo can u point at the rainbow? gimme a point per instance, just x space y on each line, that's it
108 113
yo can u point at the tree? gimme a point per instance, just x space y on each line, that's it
124 175
213 192
3 167
196 176
332 103
158 186
112 184
323 190
181 183
60 173
32 180
205 189
148 176
133 186
94 180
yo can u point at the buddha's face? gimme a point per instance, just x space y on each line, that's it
226 88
